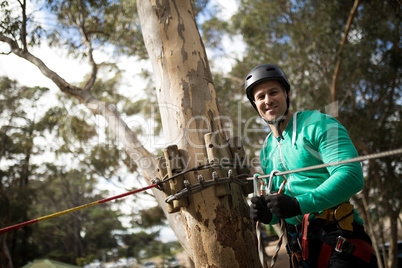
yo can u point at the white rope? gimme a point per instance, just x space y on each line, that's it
347 161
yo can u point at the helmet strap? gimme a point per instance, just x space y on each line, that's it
281 119
277 124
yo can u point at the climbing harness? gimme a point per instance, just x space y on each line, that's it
323 228
342 216
356 247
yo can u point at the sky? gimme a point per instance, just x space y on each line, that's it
73 71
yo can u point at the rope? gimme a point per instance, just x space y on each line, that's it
18 226
279 244
261 254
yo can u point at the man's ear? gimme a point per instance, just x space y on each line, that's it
288 95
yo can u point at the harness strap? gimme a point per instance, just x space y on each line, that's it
304 241
325 254
357 247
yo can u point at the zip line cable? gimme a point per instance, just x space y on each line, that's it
347 161
205 166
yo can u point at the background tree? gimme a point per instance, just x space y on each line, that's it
76 234
304 38
30 187
19 128
143 245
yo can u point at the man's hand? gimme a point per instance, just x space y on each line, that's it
259 210
283 206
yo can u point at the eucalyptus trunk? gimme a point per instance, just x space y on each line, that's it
218 231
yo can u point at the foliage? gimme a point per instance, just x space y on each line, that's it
44 171
151 217
12 24
303 37
17 135
106 22
142 245
81 232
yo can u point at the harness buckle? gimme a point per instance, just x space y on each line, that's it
339 244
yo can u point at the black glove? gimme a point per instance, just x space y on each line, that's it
283 206
259 210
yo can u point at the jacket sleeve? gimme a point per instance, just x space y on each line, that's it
331 140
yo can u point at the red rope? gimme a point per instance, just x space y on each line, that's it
20 225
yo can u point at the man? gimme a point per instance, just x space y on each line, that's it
323 228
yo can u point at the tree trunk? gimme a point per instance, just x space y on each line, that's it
5 257
218 230
393 243
368 222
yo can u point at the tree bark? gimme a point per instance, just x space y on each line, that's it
218 230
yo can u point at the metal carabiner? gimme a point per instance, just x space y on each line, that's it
271 176
255 184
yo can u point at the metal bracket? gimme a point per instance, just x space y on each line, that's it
203 184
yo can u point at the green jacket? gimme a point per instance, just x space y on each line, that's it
312 138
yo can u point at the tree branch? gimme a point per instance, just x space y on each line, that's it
134 148
60 82
335 76
235 78
87 41
24 25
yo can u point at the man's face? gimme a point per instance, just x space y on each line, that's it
270 99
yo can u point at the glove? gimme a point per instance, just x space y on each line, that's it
283 206
259 210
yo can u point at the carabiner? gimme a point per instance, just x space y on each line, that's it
255 184
271 176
